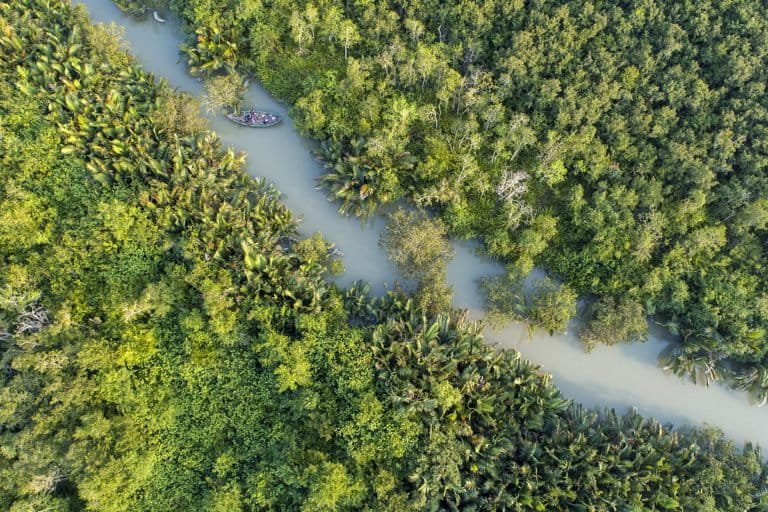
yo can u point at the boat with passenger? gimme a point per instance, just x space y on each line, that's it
254 118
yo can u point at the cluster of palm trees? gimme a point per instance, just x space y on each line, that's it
354 178
700 358
189 183
210 49
545 453
213 49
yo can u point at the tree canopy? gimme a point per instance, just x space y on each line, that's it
167 344
617 145
417 244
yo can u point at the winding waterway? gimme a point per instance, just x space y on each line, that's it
617 377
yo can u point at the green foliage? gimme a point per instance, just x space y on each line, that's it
167 344
108 40
140 7
505 300
417 244
317 250
611 144
552 305
545 304
178 112
224 92
614 321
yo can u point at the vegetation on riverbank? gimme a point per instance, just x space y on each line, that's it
619 146
166 345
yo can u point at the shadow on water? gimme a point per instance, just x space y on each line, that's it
618 377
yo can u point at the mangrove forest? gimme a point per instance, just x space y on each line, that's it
170 342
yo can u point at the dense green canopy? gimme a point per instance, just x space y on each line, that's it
619 145
165 345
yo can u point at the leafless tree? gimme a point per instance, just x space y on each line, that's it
31 320
513 184
47 483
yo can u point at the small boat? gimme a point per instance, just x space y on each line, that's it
157 17
254 118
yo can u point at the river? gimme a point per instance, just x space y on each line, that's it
617 377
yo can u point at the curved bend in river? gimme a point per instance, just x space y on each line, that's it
620 376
